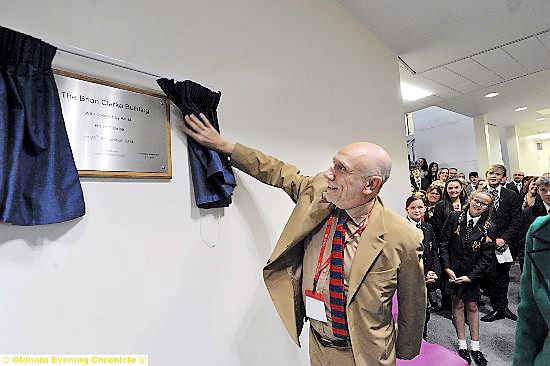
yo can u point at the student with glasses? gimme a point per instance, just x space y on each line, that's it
467 253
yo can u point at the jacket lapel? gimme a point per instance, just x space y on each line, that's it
296 230
369 247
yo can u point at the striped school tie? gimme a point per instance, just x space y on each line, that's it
336 288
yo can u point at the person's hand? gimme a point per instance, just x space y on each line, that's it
431 277
500 242
205 134
451 274
463 279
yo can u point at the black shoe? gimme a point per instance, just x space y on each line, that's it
479 358
493 315
464 354
446 314
510 315
435 307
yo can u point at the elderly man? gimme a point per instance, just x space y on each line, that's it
341 256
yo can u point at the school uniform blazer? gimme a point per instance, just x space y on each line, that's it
388 258
424 184
469 189
507 217
473 257
431 255
532 330
441 212
512 186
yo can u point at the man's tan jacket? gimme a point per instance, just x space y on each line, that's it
388 258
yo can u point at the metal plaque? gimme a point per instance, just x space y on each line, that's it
115 130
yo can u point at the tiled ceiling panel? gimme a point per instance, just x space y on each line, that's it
501 63
448 78
475 72
530 53
545 39
418 80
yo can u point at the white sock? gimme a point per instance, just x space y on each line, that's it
475 346
462 344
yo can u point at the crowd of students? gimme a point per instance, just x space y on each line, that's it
473 232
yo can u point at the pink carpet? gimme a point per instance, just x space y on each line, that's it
430 354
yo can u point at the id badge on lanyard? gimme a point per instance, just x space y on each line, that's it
315 301
315 306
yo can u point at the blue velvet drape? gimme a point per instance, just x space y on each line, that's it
39 182
213 178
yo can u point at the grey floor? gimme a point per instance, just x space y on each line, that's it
496 338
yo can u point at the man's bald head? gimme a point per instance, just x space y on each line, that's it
371 158
356 175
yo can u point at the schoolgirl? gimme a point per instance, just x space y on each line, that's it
467 254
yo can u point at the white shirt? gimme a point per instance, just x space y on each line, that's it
418 223
475 219
547 206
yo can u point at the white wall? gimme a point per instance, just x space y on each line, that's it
298 79
445 137
533 161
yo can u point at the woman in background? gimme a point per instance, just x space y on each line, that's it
432 172
415 208
531 196
481 183
467 252
434 196
423 166
442 176
454 199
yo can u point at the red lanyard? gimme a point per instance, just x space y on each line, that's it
320 264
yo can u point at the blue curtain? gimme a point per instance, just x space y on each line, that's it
211 173
39 182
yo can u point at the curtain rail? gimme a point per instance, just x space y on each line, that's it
104 59
112 61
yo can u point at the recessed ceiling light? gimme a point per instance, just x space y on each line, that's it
491 95
542 118
544 111
520 109
411 93
540 136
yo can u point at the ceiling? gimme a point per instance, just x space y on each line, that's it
462 50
